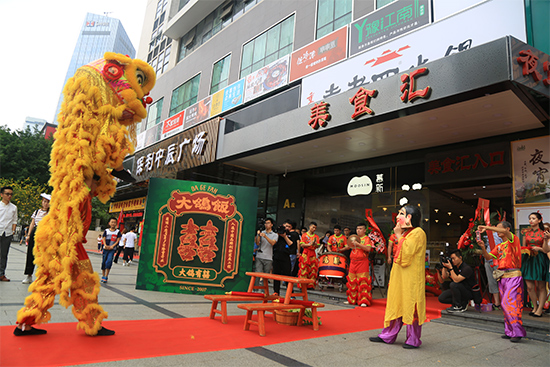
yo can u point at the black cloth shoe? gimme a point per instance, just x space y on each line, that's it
31 331
505 336
105 332
515 340
408 346
376 339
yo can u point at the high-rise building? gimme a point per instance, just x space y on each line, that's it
99 34
34 123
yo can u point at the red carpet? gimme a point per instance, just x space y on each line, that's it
64 345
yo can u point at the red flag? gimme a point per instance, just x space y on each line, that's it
120 218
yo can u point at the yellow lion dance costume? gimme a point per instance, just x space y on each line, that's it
101 102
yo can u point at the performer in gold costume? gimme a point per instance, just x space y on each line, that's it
101 104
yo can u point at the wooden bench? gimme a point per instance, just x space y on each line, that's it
261 308
224 298
314 319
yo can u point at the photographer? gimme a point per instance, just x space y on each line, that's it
281 255
463 280
266 239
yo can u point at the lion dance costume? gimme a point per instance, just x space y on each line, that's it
359 281
102 102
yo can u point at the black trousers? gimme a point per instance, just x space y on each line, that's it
119 249
128 254
281 267
29 266
458 295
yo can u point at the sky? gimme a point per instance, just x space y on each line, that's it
37 40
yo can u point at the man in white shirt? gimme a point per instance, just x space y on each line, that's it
129 245
8 222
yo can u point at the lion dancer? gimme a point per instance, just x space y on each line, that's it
406 302
359 281
308 263
101 101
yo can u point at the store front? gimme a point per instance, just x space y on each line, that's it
452 144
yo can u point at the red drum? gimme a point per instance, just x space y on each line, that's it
333 265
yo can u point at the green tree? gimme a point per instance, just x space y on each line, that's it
26 196
25 154
100 211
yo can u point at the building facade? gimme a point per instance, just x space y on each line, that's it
339 109
99 34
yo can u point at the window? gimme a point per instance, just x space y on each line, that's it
381 3
185 95
156 57
220 74
269 46
153 115
332 15
228 12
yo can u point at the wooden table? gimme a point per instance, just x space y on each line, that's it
301 283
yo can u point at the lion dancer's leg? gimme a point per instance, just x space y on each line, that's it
84 292
364 295
43 291
353 286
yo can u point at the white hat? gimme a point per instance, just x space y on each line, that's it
46 196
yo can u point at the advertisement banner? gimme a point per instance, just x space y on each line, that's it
391 21
172 125
530 67
197 113
217 103
196 237
319 54
128 205
531 165
267 79
522 217
233 95
413 50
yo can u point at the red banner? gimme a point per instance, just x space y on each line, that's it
319 54
173 122
231 245
164 240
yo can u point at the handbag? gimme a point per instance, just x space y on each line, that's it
497 274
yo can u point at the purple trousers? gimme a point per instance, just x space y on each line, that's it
511 296
389 334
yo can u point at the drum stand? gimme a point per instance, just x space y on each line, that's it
371 271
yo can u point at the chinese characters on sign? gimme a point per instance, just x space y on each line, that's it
187 149
192 237
319 115
391 21
459 163
157 158
486 161
529 62
361 100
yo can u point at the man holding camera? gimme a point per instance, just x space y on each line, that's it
266 240
281 253
463 280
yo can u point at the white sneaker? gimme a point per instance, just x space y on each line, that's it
346 302
363 305
123 264
27 280
129 262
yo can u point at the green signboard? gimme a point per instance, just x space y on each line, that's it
197 237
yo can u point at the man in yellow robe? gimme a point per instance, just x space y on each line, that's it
406 302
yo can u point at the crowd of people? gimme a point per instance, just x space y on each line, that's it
286 250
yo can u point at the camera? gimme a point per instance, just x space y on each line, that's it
261 225
282 230
444 259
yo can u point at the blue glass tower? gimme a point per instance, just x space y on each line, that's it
99 34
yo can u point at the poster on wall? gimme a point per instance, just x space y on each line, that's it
172 125
531 166
197 237
267 79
